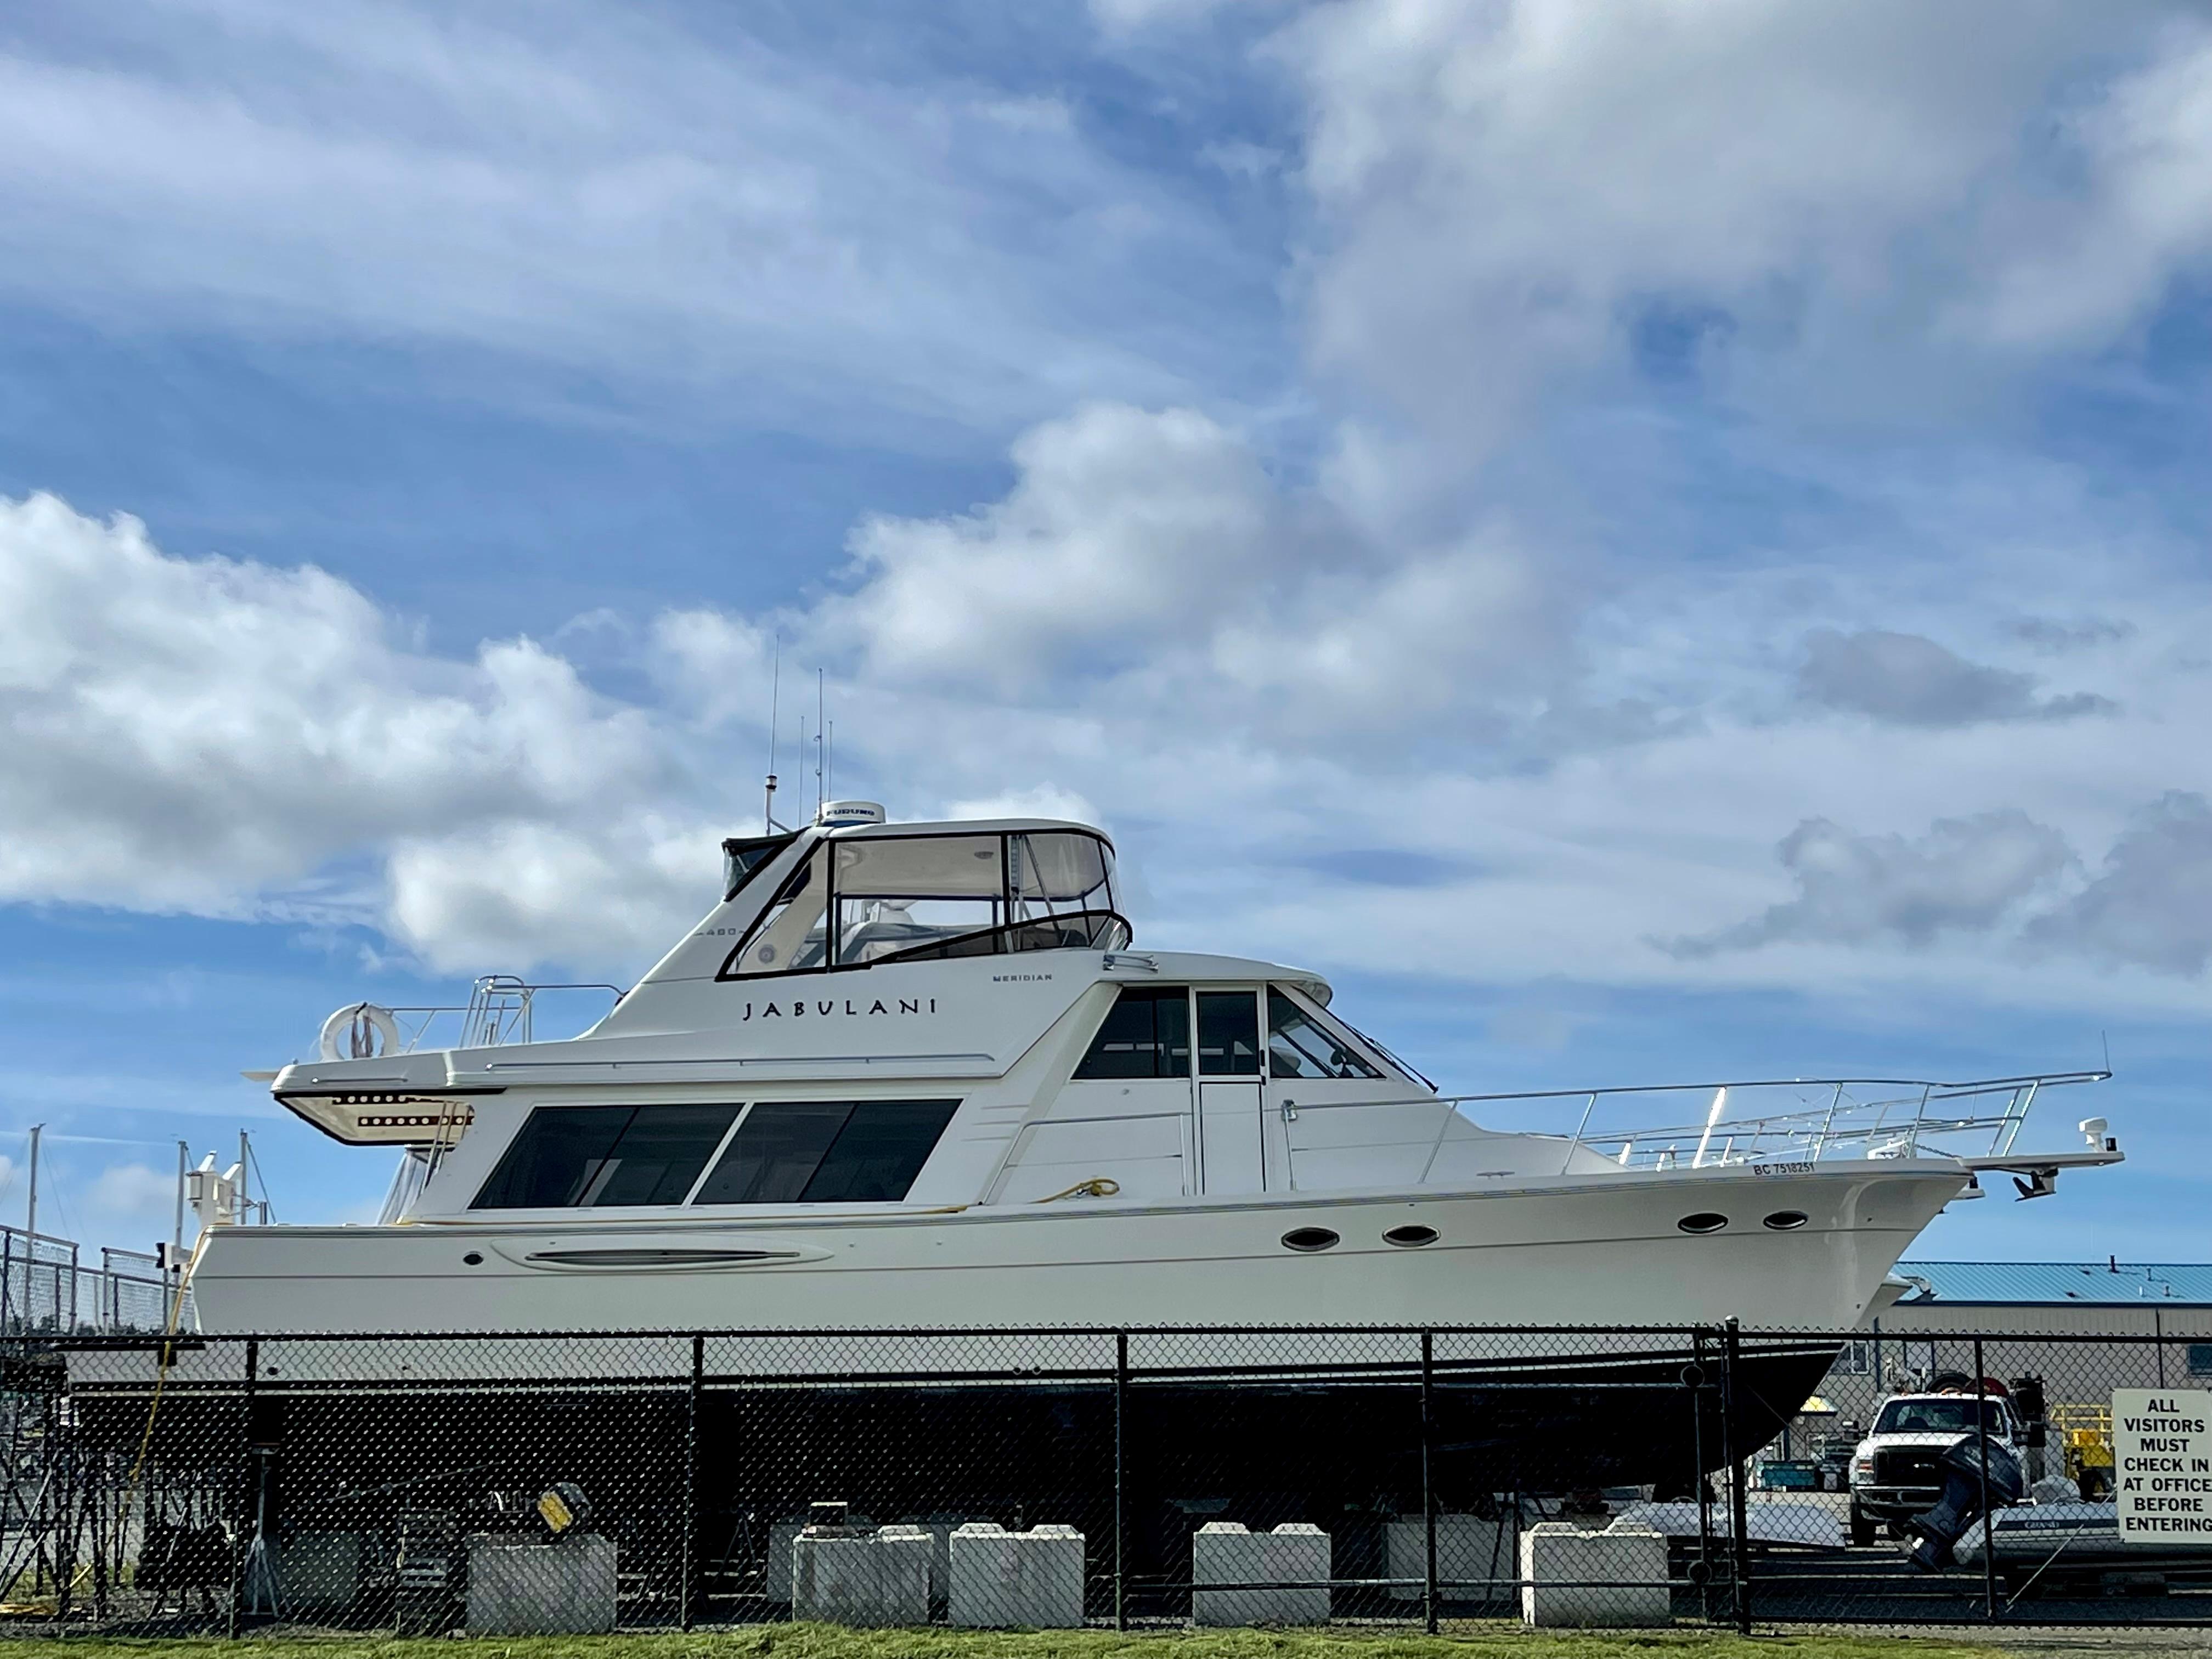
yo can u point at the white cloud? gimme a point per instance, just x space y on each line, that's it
2151 904
1860 204
592 187
1964 874
201 734
1127 532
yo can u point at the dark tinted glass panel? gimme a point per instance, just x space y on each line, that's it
879 1151
572 1156
742 859
659 1155
1228 1033
1147 1034
775 1152
1299 1046
819 1151
556 1156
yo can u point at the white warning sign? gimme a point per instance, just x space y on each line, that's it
2162 1465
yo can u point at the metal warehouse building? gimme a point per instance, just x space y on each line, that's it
2038 1319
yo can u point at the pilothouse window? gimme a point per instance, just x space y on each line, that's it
1146 1033
575 1156
1299 1046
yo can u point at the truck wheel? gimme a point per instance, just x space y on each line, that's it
1861 1528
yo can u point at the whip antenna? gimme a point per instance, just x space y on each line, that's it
775 696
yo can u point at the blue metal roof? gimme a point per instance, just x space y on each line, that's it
2057 1282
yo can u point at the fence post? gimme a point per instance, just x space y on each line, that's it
2158 1346
1989 1506
1693 1375
688 1569
1120 1479
238 1546
1428 1483
1739 1520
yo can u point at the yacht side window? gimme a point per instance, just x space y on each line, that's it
790 933
573 1156
827 1152
1146 1033
1298 1045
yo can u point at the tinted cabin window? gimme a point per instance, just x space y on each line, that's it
1228 1033
1147 1034
1298 1045
823 1151
570 1156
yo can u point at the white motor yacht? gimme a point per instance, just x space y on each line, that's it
918 1075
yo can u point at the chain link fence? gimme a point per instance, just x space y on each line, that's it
1134 1479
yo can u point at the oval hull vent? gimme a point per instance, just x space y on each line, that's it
1307 1240
1787 1221
1411 1237
1705 1221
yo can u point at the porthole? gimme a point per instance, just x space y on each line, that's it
1786 1221
474 1259
1309 1239
1411 1237
1705 1221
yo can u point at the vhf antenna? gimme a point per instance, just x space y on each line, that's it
821 723
769 825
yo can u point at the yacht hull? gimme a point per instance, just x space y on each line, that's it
1595 1249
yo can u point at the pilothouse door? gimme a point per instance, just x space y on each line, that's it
1230 1120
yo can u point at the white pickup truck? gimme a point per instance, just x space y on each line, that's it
1894 1474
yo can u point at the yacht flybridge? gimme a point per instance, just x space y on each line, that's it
907 1075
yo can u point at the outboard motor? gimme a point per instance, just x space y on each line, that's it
1963 1502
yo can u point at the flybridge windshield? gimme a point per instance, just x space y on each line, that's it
862 900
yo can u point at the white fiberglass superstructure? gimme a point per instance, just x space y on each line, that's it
917 1075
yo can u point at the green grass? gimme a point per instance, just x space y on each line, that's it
826 1642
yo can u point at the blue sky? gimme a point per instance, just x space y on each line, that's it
1649 542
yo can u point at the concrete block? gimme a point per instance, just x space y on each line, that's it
1224 1552
1468 1547
1005 1580
523 1587
1587 1580
776 1579
871 1581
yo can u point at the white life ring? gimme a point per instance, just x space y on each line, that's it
365 1029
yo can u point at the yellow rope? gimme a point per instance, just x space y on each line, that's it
1096 1187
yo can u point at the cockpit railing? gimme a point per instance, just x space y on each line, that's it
499 1013
1804 1122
